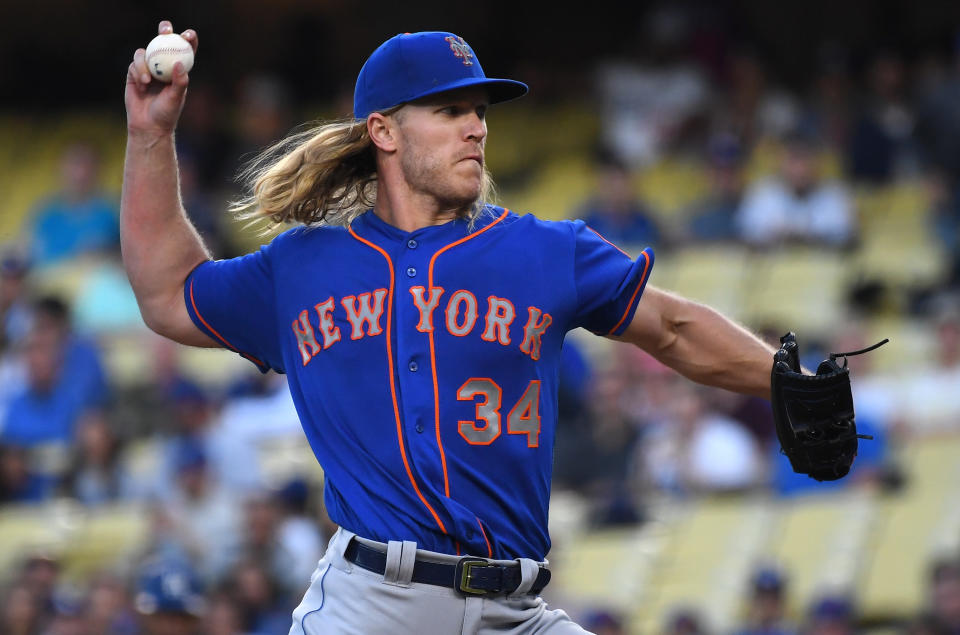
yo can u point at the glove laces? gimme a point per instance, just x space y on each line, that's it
834 356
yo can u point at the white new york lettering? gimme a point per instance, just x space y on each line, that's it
364 313
426 308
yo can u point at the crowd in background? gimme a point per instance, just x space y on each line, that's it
230 552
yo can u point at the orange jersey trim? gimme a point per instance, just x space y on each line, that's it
643 278
393 388
222 339
600 236
433 355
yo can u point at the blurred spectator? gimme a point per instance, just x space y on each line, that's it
938 119
223 616
698 450
40 573
651 100
19 483
603 622
830 615
944 594
231 436
684 621
204 141
261 413
15 314
261 545
81 355
264 116
169 598
65 379
944 217
923 624
78 219
298 533
829 113
614 210
109 607
597 458
200 521
263 609
767 605
21 612
750 106
202 206
720 455
713 218
880 144
797 206
96 475
68 615
928 392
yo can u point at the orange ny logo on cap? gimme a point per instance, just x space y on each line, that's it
460 48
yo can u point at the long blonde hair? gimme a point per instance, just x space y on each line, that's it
325 175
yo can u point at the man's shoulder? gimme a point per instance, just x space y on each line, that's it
307 236
529 221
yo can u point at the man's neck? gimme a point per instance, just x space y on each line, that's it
408 210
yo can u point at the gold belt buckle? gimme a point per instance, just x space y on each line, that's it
466 567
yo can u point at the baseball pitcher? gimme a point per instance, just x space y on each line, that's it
420 330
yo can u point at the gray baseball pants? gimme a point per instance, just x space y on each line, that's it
344 599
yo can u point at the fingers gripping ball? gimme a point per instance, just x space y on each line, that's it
166 50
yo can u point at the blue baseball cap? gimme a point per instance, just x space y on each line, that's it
413 65
169 585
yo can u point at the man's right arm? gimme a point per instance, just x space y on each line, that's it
159 244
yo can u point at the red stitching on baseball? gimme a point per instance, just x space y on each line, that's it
169 50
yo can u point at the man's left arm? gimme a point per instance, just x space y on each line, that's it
700 343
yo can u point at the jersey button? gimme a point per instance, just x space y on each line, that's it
419 428
412 244
413 367
411 272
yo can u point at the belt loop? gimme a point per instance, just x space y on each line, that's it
408 558
529 570
337 546
391 573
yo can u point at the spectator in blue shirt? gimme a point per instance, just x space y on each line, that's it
614 211
65 379
78 219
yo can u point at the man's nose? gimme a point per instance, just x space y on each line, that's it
476 129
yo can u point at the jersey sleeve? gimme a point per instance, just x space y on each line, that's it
233 302
608 282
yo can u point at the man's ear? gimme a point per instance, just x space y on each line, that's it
383 131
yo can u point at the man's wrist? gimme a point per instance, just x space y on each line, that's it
148 138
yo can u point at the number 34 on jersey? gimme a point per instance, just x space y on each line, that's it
523 418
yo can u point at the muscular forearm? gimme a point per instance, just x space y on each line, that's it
160 246
701 344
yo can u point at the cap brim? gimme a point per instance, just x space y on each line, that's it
500 90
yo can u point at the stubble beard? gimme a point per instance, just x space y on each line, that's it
426 175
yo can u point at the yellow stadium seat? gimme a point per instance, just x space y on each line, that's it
800 288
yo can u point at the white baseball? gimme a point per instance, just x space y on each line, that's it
166 50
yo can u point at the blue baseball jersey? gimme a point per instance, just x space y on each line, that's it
424 365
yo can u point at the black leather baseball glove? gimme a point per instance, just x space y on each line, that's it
814 413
